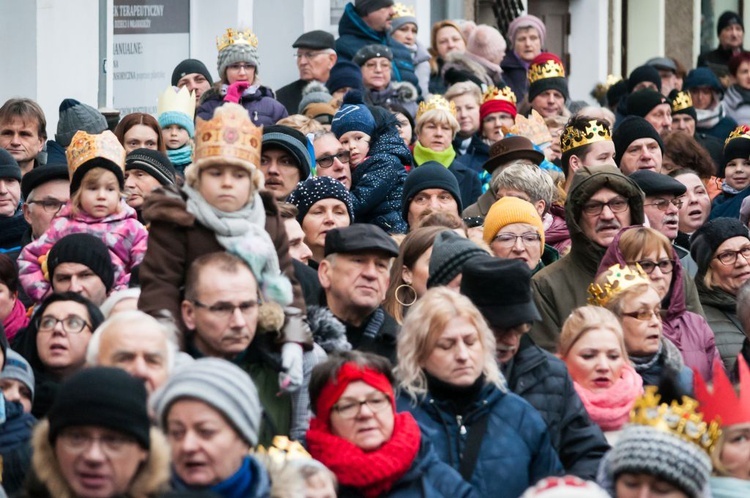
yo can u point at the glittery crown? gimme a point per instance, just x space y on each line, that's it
232 37
401 10
283 450
682 101
436 102
494 93
682 420
177 100
612 79
84 147
722 402
532 128
573 137
618 279
742 131
548 69
228 137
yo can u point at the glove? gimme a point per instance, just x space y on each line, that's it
290 378
235 91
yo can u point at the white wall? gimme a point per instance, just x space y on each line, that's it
588 54
646 36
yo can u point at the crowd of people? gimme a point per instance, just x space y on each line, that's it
414 271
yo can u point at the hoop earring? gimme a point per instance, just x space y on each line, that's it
400 301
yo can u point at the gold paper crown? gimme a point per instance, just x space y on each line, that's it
618 278
84 147
679 419
682 101
742 131
494 93
532 128
229 137
550 69
401 10
233 36
177 100
283 450
573 138
436 102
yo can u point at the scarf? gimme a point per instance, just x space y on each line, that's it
16 320
239 484
729 487
243 234
423 154
181 157
610 408
644 363
708 118
729 190
372 473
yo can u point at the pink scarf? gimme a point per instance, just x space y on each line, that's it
610 408
16 320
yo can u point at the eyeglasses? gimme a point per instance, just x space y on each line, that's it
71 324
528 239
327 161
645 315
648 266
350 408
111 444
239 66
306 55
49 205
616 205
730 257
663 204
226 310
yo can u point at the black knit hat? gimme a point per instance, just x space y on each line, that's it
292 141
368 52
557 81
640 103
429 175
154 163
736 148
84 249
631 129
726 19
644 73
9 167
190 66
102 397
706 240
364 7
317 188
344 74
41 175
450 253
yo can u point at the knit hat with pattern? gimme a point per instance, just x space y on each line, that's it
317 188
450 252
509 210
152 162
353 115
76 116
234 53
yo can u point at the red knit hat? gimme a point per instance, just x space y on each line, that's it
498 100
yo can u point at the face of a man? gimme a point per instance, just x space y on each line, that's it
297 247
280 171
327 148
138 185
731 36
663 213
355 284
314 64
21 139
599 153
139 350
603 215
78 278
434 199
195 81
660 117
684 123
549 103
10 193
643 153
44 203
380 20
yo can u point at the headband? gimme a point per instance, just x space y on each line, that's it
349 373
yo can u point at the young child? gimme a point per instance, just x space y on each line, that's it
377 158
97 206
736 175
176 109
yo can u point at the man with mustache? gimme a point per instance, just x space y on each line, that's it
284 160
600 202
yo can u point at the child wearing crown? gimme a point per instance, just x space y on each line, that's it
97 206
238 64
176 109
736 187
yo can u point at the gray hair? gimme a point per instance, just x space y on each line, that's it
531 180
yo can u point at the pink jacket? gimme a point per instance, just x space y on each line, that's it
121 232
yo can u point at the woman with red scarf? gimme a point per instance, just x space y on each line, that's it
357 434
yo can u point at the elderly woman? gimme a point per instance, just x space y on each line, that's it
696 205
372 449
449 380
721 248
446 37
593 349
707 93
140 131
467 97
527 35
12 310
375 63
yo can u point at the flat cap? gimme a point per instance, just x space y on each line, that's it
41 175
360 237
317 39
653 183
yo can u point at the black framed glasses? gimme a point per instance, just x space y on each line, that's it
225 310
648 266
730 257
616 205
350 408
327 161
71 324
663 204
49 205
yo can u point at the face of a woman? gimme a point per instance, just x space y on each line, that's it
406 34
323 216
7 301
528 44
595 361
240 71
735 454
369 428
467 113
696 203
645 486
206 450
448 40
417 276
743 75
435 136
140 136
518 241
642 336
660 281
61 351
730 277
458 355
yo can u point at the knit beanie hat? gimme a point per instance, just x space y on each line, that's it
527 21
154 163
702 77
242 50
726 19
17 368
487 42
220 384
364 7
450 252
644 73
180 119
737 146
429 175
76 116
85 249
546 72
706 240
498 100
344 74
290 140
631 129
314 92
190 66
353 115
317 188
103 397
682 103
368 52
403 15
508 210
640 103
565 487
9 167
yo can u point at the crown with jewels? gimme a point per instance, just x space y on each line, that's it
177 100
618 279
494 93
682 101
573 137
84 147
534 128
548 69
722 402
233 36
229 136
436 102
282 449
742 131
682 420
401 10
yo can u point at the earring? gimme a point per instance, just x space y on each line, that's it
414 300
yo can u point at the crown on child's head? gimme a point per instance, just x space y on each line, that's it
742 131
572 137
234 37
177 100
85 147
229 137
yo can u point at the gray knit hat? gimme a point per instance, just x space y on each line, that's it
76 116
237 52
450 252
220 384
17 368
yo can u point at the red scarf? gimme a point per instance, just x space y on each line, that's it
16 320
610 408
372 473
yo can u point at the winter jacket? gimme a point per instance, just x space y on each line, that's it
514 74
403 94
481 207
421 60
15 445
291 95
556 231
720 130
667 360
543 380
726 205
122 233
354 34
563 286
12 230
261 105
516 450
737 104
717 61
687 330
720 309
476 155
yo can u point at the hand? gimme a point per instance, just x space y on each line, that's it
235 91
290 378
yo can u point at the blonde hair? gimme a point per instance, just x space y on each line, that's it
616 303
92 177
585 319
422 328
301 123
437 116
464 88
637 241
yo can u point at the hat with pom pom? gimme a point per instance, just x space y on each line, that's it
353 115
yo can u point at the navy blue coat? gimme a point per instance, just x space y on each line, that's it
15 445
468 182
516 450
476 155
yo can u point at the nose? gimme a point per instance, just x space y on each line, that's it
369 270
306 251
189 442
518 245
238 319
130 182
138 369
75 286
607 213
93 452
462 353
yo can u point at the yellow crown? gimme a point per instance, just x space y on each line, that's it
742 131
436 102
494 93
401 10
618 278
682 101
549 69
282 450
679 419
84 147
573 137
532 128
233 36
229 137
177 100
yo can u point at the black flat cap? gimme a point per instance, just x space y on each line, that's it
317 40
653 183
41 175
360 237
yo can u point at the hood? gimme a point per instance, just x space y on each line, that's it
467 63
352 24
167 204
714 296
